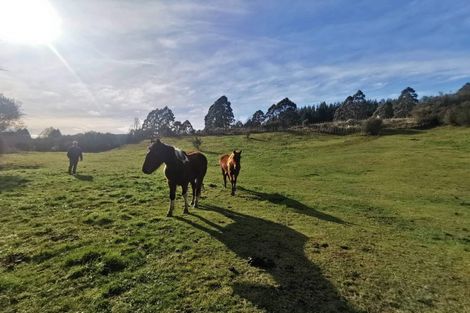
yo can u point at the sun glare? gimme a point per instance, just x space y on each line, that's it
29 21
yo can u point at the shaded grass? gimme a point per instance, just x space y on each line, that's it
350 223
10 182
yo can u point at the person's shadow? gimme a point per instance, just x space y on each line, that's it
279 250
84 177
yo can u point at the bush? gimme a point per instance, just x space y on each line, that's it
197 142
426 116
458 115
372 126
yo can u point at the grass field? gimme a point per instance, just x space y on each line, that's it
352 224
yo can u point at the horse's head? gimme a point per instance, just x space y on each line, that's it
156 155
237 156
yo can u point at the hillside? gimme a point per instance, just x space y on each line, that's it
352 224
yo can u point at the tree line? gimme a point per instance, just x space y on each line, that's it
282 115
429 111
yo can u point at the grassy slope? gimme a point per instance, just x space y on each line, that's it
352 224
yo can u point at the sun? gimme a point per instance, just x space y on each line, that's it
33 22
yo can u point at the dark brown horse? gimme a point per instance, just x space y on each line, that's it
181 169
230 166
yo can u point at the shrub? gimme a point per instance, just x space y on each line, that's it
372 126
197 142
458 115
426 116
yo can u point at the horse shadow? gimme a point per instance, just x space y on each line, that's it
7 167
257 139
10 182
299 285
299 207
84 177
400 131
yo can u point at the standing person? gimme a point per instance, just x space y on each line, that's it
74 153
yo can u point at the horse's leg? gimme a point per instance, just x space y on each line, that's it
225 178
193 187
172 198
232 182
185 196
198 190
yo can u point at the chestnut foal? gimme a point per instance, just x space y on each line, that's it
230 166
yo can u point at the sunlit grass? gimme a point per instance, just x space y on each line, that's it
351 223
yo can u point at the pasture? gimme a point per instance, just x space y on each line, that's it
337 224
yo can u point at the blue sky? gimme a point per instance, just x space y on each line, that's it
125 58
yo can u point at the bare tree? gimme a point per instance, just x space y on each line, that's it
136 125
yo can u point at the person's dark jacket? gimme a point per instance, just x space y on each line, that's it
74 153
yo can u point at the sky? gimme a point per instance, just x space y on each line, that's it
115 60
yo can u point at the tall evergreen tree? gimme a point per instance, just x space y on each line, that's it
238 124
323 113
464 91
406 102
187 128
354 107
50 132
384 109
284 114
159 122
256 120
184 128
308 115
220 114
10 112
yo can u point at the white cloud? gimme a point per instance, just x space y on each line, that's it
128 57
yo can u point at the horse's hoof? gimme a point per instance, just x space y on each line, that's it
169 215
185 212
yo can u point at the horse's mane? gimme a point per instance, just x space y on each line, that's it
174 151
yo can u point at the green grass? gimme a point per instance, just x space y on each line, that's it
352 224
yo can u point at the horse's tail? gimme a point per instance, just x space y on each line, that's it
202 173
203 166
